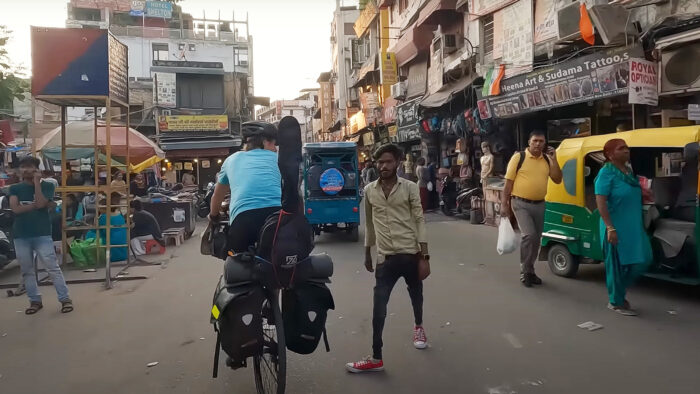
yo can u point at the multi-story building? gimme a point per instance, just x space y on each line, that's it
191 79
302 108
344 57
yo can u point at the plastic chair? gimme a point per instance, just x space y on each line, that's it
153 243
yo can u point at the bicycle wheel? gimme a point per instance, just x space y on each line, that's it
270 367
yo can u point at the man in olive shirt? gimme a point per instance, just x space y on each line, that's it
526 187
30 201
395 224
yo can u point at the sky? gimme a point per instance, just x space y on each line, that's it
291 37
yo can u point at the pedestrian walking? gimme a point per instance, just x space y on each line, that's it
394 223
30 201
526 186
423 181
369 173
625 243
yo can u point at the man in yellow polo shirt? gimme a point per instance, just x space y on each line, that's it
526 186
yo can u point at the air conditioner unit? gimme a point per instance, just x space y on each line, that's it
679 71
445 42
612 23
398 90
568 19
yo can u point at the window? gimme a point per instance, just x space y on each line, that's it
349 29
192 48
87 14
360 52
181 46
200 91
160 51
487 27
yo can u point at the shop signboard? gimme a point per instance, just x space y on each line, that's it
166 90
78 62
388 68
159 9
114 5
368 139
546 22
407 118
193 123
588 78
118 70
694 112
137 7
644 88
435 72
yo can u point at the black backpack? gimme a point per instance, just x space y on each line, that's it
286 239
304 312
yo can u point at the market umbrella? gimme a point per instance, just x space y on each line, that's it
143 152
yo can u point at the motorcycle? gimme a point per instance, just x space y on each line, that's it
7 250
204 204
456 200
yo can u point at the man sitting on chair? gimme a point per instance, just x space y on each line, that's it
145 228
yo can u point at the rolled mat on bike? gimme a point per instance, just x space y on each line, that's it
289 159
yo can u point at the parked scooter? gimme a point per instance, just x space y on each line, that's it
456 200
204 203
7 250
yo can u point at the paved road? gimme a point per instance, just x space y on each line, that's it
487 333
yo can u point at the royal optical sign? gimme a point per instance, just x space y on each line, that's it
193 123
365 19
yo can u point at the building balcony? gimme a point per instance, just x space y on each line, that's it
176 34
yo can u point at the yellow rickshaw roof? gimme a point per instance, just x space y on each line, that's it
668 137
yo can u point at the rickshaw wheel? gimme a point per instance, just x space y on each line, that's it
562 262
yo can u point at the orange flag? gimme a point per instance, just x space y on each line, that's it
586 27
496 84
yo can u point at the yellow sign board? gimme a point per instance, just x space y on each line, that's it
193 123
388 68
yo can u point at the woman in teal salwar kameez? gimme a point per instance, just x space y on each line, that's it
625 243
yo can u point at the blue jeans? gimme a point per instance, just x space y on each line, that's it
25 248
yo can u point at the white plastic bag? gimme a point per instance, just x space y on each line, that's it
508 240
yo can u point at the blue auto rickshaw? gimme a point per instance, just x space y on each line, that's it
332 187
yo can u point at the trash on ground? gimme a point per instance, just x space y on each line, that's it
4 335
447 324
201 339
672 312
153 364
590 326
90 270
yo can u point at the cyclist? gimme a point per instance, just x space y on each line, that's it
253 178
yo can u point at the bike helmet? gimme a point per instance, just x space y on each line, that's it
267 130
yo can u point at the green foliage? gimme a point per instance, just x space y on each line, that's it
11 86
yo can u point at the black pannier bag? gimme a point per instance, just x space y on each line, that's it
304 312
237 318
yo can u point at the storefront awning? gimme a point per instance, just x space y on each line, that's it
409 45
431 13
447 92
200 144
367 79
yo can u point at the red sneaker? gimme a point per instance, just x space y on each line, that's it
420 341
368 364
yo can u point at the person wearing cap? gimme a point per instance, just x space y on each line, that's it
253 178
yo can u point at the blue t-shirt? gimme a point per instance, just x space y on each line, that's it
254 179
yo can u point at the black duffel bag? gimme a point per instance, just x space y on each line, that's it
237 318
304 312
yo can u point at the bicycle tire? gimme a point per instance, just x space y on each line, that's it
260 364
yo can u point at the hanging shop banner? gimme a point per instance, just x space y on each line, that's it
643 82
193 123
588 78
407 118
166 90
417 79
388 68
159 9
694 112
357 122
118 69
368 138
546 22
435 72
516 44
